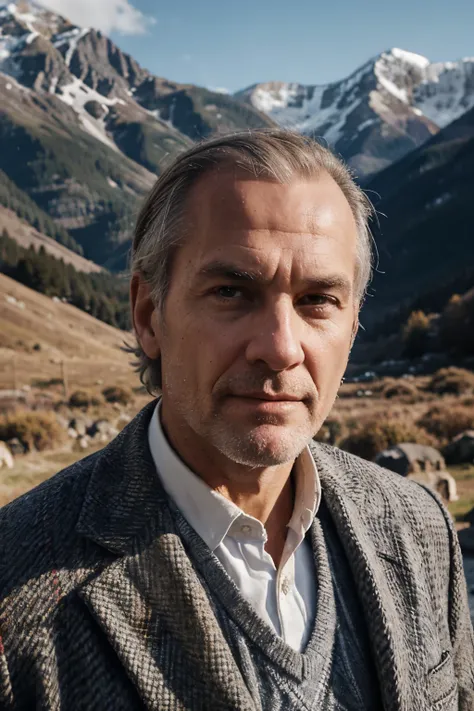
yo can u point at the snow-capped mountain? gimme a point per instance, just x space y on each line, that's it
387 107
91 126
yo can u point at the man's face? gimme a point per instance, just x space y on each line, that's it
258 321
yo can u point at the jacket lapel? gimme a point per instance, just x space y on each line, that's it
149 600
377 591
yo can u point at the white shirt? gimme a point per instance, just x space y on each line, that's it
285 598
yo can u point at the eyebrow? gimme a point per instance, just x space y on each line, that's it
227 270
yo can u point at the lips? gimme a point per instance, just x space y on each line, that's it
268 397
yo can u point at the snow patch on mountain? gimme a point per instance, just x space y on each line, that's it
35 18
71 38
447 91
411 57
77 95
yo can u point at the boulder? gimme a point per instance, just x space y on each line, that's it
6 457
102 431
420 463
84 442
411 458
80 425
16 447
461 449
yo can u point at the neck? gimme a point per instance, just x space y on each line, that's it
266 493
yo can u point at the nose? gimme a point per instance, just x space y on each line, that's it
275 338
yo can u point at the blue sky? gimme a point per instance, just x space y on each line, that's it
222 43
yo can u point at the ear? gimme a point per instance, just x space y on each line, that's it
355 329
145 319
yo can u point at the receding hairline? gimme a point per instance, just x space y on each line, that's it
241 173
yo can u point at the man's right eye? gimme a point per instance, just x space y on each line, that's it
228 293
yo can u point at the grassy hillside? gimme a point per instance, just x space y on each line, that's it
27 236
87 187
37 333
16 200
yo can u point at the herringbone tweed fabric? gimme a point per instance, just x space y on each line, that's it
102 608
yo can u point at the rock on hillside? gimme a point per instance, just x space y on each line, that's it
382 111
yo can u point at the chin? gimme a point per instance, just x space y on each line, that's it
264 445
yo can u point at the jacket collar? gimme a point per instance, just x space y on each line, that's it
125 505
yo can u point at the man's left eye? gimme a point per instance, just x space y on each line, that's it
317 300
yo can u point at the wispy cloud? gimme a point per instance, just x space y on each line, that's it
106 15
219 89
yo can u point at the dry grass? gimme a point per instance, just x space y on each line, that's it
90 349
464 476
32 469
452 381
34 430
447 422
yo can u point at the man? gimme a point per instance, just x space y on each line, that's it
212 556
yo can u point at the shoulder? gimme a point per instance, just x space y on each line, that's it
37 530
381 493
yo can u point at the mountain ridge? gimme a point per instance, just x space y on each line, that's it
388 106
92 128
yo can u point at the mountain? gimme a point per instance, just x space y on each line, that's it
84 130
27 236
382 111
13 198
426 212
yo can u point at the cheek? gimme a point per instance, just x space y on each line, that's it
195 357
327 356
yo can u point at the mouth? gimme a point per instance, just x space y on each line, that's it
267 397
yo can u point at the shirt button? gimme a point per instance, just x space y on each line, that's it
285 586
246 529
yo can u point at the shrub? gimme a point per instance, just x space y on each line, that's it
415 334
35 430
117 393
457 323
83 399
399 388
376 435
331 432
447 422
452 381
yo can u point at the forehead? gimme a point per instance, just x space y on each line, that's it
227 210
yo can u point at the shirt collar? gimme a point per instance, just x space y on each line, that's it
208 512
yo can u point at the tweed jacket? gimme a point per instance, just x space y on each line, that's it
101 608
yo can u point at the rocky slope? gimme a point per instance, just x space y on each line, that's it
386 108
84 129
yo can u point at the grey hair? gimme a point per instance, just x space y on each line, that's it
267 154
